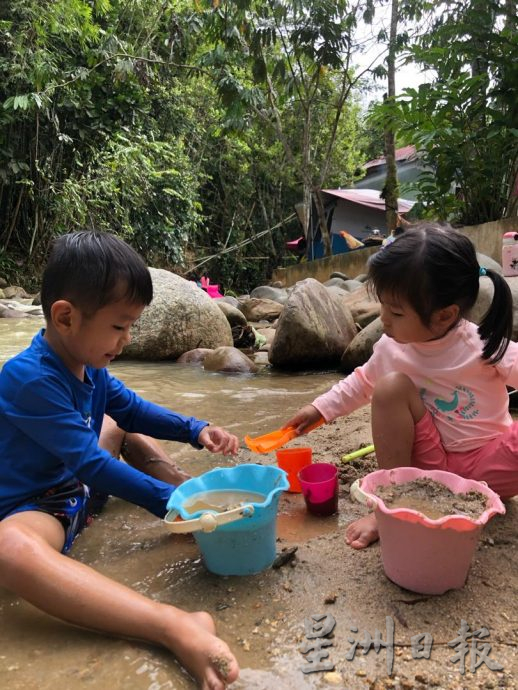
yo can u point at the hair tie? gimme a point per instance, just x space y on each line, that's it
482 271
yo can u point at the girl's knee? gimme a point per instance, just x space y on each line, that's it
393 386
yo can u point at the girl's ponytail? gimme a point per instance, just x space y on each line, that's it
496 327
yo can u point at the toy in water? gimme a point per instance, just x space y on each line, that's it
276 439
425 555
232 512
358 453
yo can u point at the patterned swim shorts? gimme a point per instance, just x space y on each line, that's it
70 503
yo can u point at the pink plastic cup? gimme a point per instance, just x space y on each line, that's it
319 484
292 460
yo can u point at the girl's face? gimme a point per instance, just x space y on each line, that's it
403 324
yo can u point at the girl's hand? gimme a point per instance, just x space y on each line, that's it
217 440
302 419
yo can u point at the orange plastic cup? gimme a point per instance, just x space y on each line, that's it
292 460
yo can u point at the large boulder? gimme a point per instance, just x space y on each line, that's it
180 318
314 328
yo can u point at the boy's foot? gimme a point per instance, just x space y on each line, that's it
362 532
207 658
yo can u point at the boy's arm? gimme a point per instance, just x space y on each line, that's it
133 413
42 411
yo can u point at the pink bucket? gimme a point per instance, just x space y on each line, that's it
418 553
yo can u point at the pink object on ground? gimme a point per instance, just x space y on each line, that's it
418 553
319 484
292 460
213 291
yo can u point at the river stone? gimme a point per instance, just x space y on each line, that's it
14 291
256 309
229 360
234 316
313 330
488 262
269 292
180 318
360 348
195 356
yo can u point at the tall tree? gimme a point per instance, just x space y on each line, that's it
274 59
391 188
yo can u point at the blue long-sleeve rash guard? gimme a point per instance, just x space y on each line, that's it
49 431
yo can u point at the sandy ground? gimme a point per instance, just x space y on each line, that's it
263 617
331 578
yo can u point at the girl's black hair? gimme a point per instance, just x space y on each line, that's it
431 266
92 269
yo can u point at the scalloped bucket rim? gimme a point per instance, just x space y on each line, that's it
421 554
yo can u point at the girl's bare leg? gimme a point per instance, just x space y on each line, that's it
396 409
32 567
142 452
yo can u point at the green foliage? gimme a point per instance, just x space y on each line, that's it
465 122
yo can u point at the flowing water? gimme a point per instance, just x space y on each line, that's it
133 547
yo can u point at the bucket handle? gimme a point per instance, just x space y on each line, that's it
207 522
361 496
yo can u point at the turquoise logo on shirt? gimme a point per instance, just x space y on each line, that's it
461 404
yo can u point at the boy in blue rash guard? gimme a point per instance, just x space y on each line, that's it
64 420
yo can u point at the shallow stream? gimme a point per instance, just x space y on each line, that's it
132 546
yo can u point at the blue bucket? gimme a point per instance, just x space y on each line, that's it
239 541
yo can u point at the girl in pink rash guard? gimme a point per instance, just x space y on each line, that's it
436 382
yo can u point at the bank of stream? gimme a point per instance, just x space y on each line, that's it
262 616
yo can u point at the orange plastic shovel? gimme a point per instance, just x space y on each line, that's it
276 439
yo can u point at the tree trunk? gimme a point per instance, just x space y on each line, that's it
322 223
391 189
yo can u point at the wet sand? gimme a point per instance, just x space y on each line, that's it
262 616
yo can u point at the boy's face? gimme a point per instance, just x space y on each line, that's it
97 340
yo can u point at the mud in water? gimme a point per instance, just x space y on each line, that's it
219 501
432 498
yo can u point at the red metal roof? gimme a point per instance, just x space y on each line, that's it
368 197
402 154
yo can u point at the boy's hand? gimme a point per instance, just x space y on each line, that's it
305 417
217 440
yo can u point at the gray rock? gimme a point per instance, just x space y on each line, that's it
234 316
195 356
13 291
229 360
313 330
338 274
269 292
260 309
180 318
360 348
488 262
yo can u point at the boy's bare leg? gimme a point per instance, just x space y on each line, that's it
142 452
396 409
32 567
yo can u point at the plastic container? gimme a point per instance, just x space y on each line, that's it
319 484
292 460
510 254
424 555
240 541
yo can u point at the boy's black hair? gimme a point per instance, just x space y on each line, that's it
431 266
92 269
